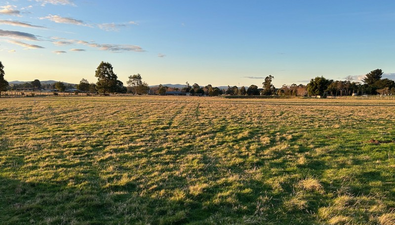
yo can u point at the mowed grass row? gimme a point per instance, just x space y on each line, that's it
187 160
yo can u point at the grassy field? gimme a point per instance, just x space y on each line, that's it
187 160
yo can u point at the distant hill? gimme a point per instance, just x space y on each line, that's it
171 85
17 82
44 82
180 86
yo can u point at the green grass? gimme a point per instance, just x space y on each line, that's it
187 160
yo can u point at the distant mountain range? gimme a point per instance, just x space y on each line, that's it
170 85
180 86
45 82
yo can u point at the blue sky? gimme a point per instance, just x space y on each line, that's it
214 42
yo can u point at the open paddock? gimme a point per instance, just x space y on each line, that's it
196 160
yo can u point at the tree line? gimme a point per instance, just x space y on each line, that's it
107 82
372 84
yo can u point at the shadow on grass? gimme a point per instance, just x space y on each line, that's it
93 202
48 203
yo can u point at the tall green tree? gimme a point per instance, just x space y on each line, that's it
3 82
36 84
196 90
107 80
293 89
83 85
384 83
235 90
208 90
187 88
229 91
268 87
253 90
374 83
92 88
373 76
60 86
136 84
242 91
162 89
134 81
232 90
216 91
318 86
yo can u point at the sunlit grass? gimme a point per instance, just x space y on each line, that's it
187 160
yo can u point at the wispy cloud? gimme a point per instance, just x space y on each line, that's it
23 44
12 51
115 26
103 47
59 52
116 48
27 7
19 24
390 76
160 55
9 10
65 20
303 81
55 2
255 78
59 43
77 50
354 77
18 35
359 78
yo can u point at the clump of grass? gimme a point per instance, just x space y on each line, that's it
353 209
310 184
387 219
296 203
336 220
197 189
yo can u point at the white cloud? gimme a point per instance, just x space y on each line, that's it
160 55
12 51
28 7
103 47
59 43
115 26
65 20
82 42
59 52
255 78
390 76
77 50
116 48
55 2
9 10
358 77
19 24
28 46
18 35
